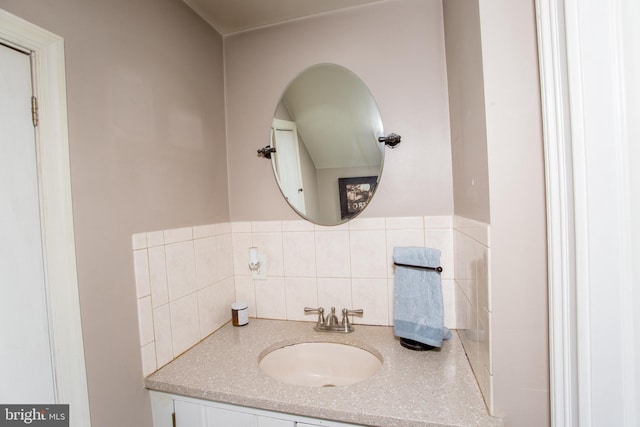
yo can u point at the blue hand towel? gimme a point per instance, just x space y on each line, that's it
418 308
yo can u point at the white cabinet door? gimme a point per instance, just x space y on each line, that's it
217 417
189 414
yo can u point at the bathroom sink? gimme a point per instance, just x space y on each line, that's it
320 364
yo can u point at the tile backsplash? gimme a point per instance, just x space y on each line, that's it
187 278
473 299
185 285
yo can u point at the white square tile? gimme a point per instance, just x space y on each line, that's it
484 327
245 292
486 235
270 298
439 221
390 300
226 296
477 230
201 231
471 342
442 239
162 333
148 353
371 296
466 287
467 331
241 227
158 276
367 224
299 254
466 255
459 254
207 299
185 325
300 292
223 228
462 322
155 238
241 244
206 259
487 392
449 303
482 378
340 227
178 235
334 293
181 269
368 254
297 225
225 256
405 223
139 241
333 254
266 226
270 246
145 320
404 238
483 279
141 270
485 382
476 259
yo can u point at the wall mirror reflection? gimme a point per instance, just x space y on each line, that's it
324 144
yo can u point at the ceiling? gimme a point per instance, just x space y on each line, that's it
232 16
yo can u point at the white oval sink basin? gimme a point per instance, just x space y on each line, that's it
320 364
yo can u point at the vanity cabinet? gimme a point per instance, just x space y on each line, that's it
171 410
188 414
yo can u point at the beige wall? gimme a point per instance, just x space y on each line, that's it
397 49
517 203
467 109
146 115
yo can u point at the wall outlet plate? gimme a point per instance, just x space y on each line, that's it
261 272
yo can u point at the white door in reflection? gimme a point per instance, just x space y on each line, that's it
284 135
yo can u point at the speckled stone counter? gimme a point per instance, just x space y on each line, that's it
430 388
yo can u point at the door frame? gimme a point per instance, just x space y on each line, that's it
54 181
584 74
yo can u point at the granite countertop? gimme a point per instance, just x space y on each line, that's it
413 388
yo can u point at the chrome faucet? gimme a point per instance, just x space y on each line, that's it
332 319
331 323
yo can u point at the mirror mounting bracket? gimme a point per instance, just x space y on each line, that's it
391 140
266 151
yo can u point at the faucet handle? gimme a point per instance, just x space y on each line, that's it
345 318
359 311
320 312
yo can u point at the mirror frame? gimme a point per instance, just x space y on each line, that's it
362 182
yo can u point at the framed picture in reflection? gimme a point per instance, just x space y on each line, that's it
355 194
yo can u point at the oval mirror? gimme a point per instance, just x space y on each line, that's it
324 144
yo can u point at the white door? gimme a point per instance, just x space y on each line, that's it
26 369
287 162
